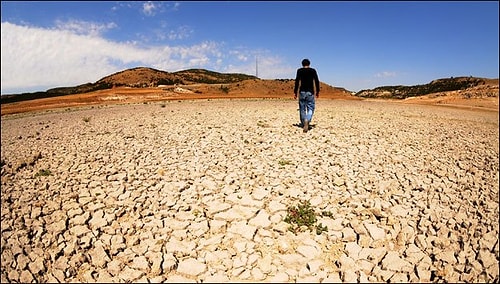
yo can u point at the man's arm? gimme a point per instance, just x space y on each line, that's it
316 81
296 87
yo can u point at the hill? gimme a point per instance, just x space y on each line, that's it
139 77
466 87
143 84
143 77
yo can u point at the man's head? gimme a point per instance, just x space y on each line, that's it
306 62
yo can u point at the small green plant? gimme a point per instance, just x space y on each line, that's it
284 162
301 216
43 172
320 229
327 214
224 89
197 213
262 124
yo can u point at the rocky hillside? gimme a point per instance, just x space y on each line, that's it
210 84
142 77
467 87
199 81
139 77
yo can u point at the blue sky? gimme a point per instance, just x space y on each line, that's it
354 45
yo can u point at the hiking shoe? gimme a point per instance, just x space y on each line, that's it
306 125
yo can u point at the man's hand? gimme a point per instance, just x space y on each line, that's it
317 95
295 96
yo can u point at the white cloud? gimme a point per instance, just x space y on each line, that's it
274 67
32 57
267 66
84 28
37 59
385 74
182 32
149 8
176 6
243 57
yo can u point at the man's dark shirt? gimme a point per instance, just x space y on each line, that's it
308 78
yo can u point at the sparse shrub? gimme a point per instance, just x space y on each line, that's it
197 213
43 172
262 124
224 89
320 229
284 162
327 214
303 216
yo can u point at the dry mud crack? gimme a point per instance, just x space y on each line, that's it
197 191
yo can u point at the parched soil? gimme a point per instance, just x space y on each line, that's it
206 91
199 191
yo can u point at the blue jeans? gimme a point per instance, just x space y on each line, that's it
306 106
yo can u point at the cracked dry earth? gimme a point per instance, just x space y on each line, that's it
197 191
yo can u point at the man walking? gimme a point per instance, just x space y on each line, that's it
307 79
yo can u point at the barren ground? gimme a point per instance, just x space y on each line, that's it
203 91
198 191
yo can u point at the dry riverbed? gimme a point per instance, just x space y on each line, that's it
198 191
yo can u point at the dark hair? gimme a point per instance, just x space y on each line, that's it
306 62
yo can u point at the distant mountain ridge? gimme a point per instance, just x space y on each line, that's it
138 77
465 86
145 77
142 77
